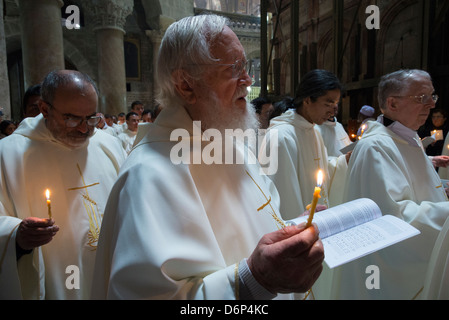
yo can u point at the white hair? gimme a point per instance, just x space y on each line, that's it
398 82
186 46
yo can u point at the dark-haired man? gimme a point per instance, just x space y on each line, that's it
49 252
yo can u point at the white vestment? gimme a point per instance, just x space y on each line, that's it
436 284
400 178
444 172
127 138
301 153
79 181
177 230
109 130
334 137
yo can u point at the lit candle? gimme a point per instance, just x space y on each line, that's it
47 194
316 196
362 132
363 128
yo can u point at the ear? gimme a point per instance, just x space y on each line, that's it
391 104
184 87
306 101
43 107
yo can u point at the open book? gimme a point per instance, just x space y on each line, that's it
356 229
349 147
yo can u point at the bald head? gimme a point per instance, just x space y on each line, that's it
66 79
69 106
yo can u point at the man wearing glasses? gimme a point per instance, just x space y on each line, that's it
389 166
48 249
212 233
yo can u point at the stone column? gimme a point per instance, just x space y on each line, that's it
5 103
155 37
42 40
108 18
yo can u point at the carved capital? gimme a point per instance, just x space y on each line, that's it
108 14
155 36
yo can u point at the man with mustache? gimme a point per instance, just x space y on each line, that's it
208 231
49 252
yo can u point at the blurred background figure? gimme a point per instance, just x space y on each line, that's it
437 128
6 128
366 114
264 108
30 106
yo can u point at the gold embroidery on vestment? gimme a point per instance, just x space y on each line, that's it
92 211
280 224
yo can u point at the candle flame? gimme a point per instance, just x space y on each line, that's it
319 179
47 194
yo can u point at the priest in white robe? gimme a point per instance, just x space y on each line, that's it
180 226
62 151
389 166
128 136
301 150
334 136
444 172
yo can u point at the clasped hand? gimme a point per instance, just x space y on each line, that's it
34 232
288 260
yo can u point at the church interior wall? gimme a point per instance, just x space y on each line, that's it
400 42
80 45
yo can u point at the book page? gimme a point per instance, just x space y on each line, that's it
364 239
344 216
349 147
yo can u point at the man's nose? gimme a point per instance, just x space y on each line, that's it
83 127
245 79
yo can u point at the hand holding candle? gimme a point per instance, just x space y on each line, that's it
316 196
47 194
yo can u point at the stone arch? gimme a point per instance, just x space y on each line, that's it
76 57
325 43
387 23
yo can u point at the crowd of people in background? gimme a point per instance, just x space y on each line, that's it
212 232
433 133
122 126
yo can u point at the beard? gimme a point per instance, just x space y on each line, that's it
71 138
215 116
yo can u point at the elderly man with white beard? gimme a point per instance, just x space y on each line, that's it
208 231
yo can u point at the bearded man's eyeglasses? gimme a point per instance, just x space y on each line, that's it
424 99
73 121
